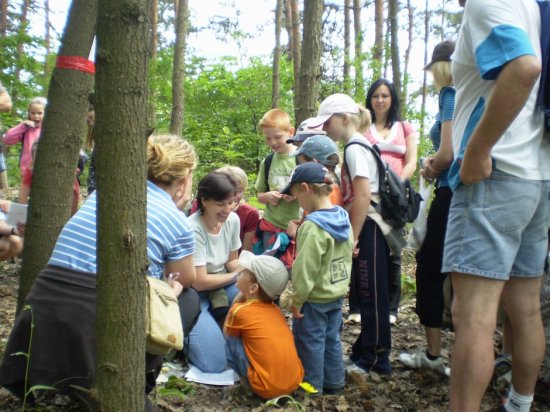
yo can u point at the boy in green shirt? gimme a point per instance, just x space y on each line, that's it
320 278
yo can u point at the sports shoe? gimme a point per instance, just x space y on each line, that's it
354 318
393 319
353 368
419 360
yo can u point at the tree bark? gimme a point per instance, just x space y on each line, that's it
378 37
122 58
275 81
425 77
178 73
47 38
359 80
152 112
23 23
3 18
310 67
62 134
393 10
410 36
296 51
347 45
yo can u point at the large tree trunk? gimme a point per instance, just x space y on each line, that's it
62 134
393 10
275 81
347 45
359 80
3 18
310 67
178 74
378 37
122 58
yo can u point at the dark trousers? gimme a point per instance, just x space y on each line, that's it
429 279
371 350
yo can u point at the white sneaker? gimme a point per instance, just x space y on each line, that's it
353 368
393 319
354 318
419 360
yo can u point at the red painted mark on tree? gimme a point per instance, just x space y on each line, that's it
75 63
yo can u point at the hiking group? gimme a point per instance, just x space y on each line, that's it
325 229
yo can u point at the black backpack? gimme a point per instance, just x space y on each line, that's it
399 202
543 99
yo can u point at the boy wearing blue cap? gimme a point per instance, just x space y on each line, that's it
320 278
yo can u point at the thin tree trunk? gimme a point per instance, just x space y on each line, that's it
23 23
3 18
359 80
425 77
387 50
378 37
151 114
393 10
178 73
62 134
410 33
310 68
122 58
47 38
347 45
275 82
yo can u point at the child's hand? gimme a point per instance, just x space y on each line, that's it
292 227
5 205
273 198
20 229
29 123
355 248
296 313
288 198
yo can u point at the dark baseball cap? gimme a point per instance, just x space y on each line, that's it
442 53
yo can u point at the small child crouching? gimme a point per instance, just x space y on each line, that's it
259 345
320 278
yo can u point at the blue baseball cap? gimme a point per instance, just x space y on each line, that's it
320 148
310 172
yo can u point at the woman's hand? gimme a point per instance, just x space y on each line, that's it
19 229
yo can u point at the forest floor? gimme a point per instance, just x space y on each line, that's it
404 390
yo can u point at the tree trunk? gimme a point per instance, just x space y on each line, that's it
310 68
410 33
275 81
62 134
347 45
378 37
23 23
359 80
152 112
47 38
178 73
425 78
296 51
393 10
3 18
122 57
387 50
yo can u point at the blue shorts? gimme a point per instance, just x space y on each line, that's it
498 228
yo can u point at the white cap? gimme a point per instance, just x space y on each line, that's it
270 272
334 104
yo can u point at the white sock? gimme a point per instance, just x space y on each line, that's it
517 402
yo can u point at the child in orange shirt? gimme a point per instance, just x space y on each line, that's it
260 346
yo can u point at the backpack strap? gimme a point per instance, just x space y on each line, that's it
267 165
375 150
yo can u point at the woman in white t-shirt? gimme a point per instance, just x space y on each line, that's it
217 244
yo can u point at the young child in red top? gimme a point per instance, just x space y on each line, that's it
260 346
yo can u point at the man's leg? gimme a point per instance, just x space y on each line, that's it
474 310
521 298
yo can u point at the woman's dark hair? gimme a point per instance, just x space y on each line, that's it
393 113
215 186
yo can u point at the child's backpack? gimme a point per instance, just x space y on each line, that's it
543 99
399 202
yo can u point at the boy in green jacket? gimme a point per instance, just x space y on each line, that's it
320 278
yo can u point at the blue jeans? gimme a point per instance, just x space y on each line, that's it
206 343
371 350
318 344
237 359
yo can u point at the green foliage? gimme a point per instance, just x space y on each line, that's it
177 388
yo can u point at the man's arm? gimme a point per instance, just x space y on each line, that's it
512 89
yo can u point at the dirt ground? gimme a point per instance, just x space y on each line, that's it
404 390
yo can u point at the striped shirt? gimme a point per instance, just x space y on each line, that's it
170 237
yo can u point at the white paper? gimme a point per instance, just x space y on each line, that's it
225 378
16 214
